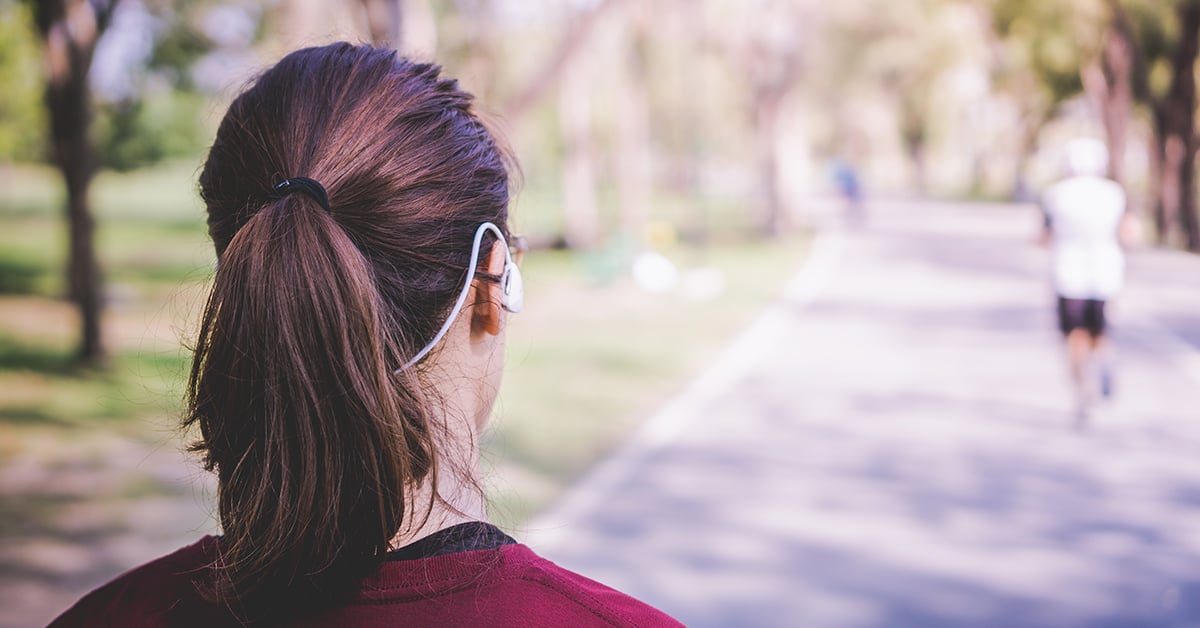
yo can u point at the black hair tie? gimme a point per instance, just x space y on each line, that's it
303 185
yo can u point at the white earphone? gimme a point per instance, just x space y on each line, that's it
512 288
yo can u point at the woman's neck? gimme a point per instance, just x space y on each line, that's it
441 516
466 377
458 497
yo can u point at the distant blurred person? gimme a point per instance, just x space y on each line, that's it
348 358
1086 226
845 177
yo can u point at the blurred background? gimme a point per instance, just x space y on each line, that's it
679 159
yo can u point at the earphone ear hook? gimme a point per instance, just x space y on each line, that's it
512 288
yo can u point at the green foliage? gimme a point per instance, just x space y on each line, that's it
1155 30
1053 39
22 116
176 50
162 125
18 274
164 120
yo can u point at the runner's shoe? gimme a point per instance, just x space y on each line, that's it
1106 382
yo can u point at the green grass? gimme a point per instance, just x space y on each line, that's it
150 228
40 385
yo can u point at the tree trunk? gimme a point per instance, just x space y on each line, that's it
77 162
1116 106
1029 129
1124 60
633 132
384 22
772 61
1163 215
915 148
913 136
1180 111
70 30
768 103
1171 192
579 162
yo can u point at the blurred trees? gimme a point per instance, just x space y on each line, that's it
632 100
915 53
1164 40
1148 58
1041 49
629 114
1127 55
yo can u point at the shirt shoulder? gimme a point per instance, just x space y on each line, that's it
568 597
157 593
1074 187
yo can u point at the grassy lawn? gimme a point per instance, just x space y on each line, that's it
91 462
155 261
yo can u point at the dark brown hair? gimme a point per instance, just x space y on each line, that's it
312 436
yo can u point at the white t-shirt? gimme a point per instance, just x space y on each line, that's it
1085 217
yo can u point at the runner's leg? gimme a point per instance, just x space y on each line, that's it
1073 324
1101 355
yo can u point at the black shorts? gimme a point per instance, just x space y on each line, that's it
1081 314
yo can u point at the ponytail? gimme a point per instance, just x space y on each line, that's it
312 437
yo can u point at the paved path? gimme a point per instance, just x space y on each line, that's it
892 446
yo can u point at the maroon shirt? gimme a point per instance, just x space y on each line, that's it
503 586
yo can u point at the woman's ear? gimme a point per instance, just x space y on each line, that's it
487 315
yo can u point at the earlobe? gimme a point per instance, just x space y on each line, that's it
487 315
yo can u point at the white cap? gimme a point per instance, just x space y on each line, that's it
1087 157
